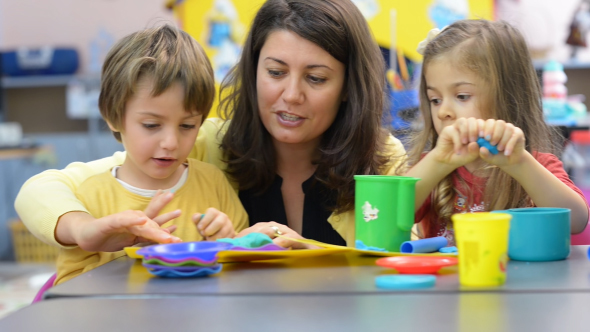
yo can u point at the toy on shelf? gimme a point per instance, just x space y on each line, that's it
557 105
579 28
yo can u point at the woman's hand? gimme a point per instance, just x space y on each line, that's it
114 232
214 225
273 229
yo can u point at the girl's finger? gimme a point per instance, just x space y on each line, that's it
488 129
472 129
498 132
506 136
463 128
481 127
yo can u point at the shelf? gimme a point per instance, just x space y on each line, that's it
35 81
566 65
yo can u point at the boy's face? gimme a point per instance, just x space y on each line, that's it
453 93
158 135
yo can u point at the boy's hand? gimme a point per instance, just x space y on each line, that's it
509 141
214 225
114 232
457 143
123 229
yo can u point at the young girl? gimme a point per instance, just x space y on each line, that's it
478 81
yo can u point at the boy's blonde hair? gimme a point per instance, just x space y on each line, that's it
163 54
498 54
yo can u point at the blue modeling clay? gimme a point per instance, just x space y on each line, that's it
483 142
424 245
360 245
448 250
252 240
396 281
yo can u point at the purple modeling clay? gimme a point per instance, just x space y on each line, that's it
483 142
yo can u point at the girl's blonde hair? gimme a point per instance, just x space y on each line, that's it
164 54
498 54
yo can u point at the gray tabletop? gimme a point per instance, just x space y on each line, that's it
341 274
439 312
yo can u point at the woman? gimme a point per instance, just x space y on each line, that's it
306 101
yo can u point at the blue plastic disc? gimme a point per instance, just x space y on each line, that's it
398 281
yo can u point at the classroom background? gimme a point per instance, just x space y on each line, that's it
52 52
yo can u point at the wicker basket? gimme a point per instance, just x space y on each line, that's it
28 248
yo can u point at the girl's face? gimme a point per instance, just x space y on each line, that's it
453 93
158 134
299 87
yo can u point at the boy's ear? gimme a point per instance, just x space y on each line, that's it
111 127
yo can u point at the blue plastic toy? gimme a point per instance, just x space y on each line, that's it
486 144
425 245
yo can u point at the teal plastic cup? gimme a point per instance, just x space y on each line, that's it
539 234
384 210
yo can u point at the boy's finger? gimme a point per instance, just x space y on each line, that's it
164 218
158 202
226 231
170 229
156 235
212 227
120 222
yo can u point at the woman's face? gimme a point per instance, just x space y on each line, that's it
299 87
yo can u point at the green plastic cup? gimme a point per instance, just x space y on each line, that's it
384 210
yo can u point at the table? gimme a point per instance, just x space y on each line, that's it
339 274
439 312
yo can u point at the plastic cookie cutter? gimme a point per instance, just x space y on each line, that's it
486 144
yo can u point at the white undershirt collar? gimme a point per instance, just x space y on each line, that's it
149 192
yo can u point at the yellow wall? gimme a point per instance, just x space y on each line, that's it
412 21
193 15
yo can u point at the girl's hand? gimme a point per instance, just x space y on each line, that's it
509 141
457 143
214 225
272 229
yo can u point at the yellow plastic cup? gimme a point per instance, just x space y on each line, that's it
482 241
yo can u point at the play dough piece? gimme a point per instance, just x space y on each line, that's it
424 245
486 144
405 281
361 246
448 250
252 240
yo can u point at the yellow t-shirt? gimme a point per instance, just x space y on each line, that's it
47 196
102 195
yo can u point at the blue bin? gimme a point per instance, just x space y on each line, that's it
41 61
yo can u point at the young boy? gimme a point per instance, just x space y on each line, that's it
157 88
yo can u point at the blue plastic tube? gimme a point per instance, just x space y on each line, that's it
432 244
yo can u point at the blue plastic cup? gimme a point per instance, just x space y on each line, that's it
539 234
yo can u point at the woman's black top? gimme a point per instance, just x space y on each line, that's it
269 207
